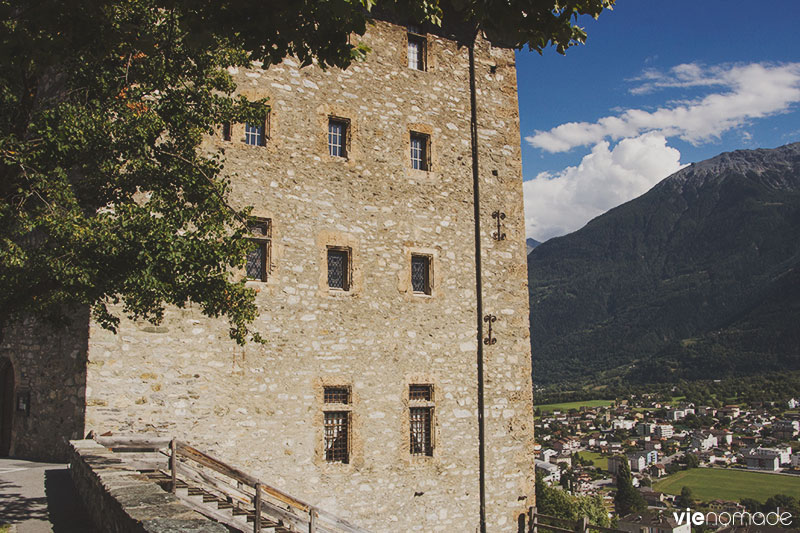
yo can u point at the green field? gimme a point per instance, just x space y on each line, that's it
549 407
712 483
600 461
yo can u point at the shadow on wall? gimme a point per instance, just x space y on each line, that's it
66 510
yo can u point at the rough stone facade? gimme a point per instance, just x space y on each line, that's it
48 363
261 407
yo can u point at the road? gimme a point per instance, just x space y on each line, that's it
40 498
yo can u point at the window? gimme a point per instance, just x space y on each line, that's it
258 258
421 419
339 268
419 151
226 131
421 274
338 130
337 395
337 425
254 134
416 49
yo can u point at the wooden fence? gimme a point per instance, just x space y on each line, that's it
189 467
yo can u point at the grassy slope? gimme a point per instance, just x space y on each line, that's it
714 483
547 408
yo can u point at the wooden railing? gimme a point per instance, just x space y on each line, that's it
190 465
542 523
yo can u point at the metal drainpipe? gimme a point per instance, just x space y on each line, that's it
478 282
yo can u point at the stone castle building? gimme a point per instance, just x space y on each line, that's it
365 398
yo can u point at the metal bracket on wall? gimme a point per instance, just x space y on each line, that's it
498 235
489 340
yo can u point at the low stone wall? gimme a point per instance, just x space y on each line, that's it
121 500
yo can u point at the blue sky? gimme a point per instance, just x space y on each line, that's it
658 85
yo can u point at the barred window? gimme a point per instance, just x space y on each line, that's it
336 395
421 274
337 136
420 392
258 258
416 49
337 449
420 398
339 268
421 441
419 151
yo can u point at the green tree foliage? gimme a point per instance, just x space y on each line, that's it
686 498
691 460
628 499
559 503
106 196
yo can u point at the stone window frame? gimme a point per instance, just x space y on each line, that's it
338 240
425 157
346 144
416 35
347 275
404 285
233 133
330 111
354 445
405 456
423 176
264 241
429 281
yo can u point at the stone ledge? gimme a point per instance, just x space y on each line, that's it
121 500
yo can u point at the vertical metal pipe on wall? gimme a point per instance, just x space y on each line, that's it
478 282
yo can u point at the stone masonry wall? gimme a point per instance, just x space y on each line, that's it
49 364
261 407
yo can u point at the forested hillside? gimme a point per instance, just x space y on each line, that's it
697 278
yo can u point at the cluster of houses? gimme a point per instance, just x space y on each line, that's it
656 440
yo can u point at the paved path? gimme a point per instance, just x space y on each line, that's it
40 498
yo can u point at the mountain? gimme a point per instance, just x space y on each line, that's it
531 244
697 278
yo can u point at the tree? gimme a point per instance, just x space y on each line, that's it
691 460
627 499
686 499
106 196
556 502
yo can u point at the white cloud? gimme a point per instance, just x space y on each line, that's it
753 91
559 203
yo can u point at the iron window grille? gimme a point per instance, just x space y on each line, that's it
339 268
421 426
420 144
421 274
338 130
417 49
337 445
420 397
258 258
422 393
336 395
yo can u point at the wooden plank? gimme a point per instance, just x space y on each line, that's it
340 523
222 518
202 478
257 505
234 473
153 442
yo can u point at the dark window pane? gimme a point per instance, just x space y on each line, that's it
257 262
337 138
420 274
419 151
338 269
336 395
336 435
421 442
416 51
254 134
226 131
